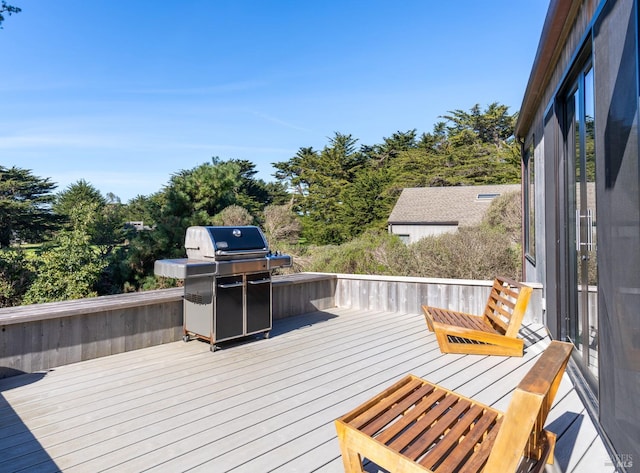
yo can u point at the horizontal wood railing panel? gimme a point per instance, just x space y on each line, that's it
43 336
409 294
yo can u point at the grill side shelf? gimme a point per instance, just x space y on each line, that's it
183 268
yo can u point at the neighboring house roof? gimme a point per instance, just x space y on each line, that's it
458 205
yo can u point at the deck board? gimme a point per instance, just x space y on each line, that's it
267 405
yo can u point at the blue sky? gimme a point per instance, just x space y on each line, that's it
125 93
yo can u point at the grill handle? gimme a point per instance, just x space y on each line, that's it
230 285
260 252
259 281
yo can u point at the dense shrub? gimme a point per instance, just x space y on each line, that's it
370 253
506 212
281 224
480 252
233 215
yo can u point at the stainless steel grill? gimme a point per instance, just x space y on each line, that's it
227 282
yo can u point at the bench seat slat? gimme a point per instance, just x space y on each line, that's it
461 320
429 430
452 437
437 396
393 411
379 408
414 429
479 457
472 442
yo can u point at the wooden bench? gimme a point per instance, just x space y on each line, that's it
492 333
417 426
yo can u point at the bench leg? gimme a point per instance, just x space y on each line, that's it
350 458
551 442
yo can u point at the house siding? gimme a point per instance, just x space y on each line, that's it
605 35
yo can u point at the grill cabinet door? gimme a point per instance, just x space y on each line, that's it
198 306
258 302
229 314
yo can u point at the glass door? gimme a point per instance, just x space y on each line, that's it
582 319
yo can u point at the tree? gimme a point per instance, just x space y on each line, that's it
15 276
197 194
8 9
25 206
75 194
71 268
340 192
105 226
494 125
254 194
317 180
144 208
367 201
391 147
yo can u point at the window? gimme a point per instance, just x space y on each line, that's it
529 204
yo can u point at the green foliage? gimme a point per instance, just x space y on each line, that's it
8 9
480 252
505 213
15 276
494 125
70 268
25 206
370 253
319 179
146 209
198 194
254 194
74 194
367 201
105 225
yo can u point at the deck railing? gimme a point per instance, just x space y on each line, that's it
43 336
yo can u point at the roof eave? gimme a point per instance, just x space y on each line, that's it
556 27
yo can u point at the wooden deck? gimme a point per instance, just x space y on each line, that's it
267 405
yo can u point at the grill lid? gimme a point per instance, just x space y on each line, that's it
223 243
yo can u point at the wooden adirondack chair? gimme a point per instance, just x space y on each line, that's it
417 426
495 332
